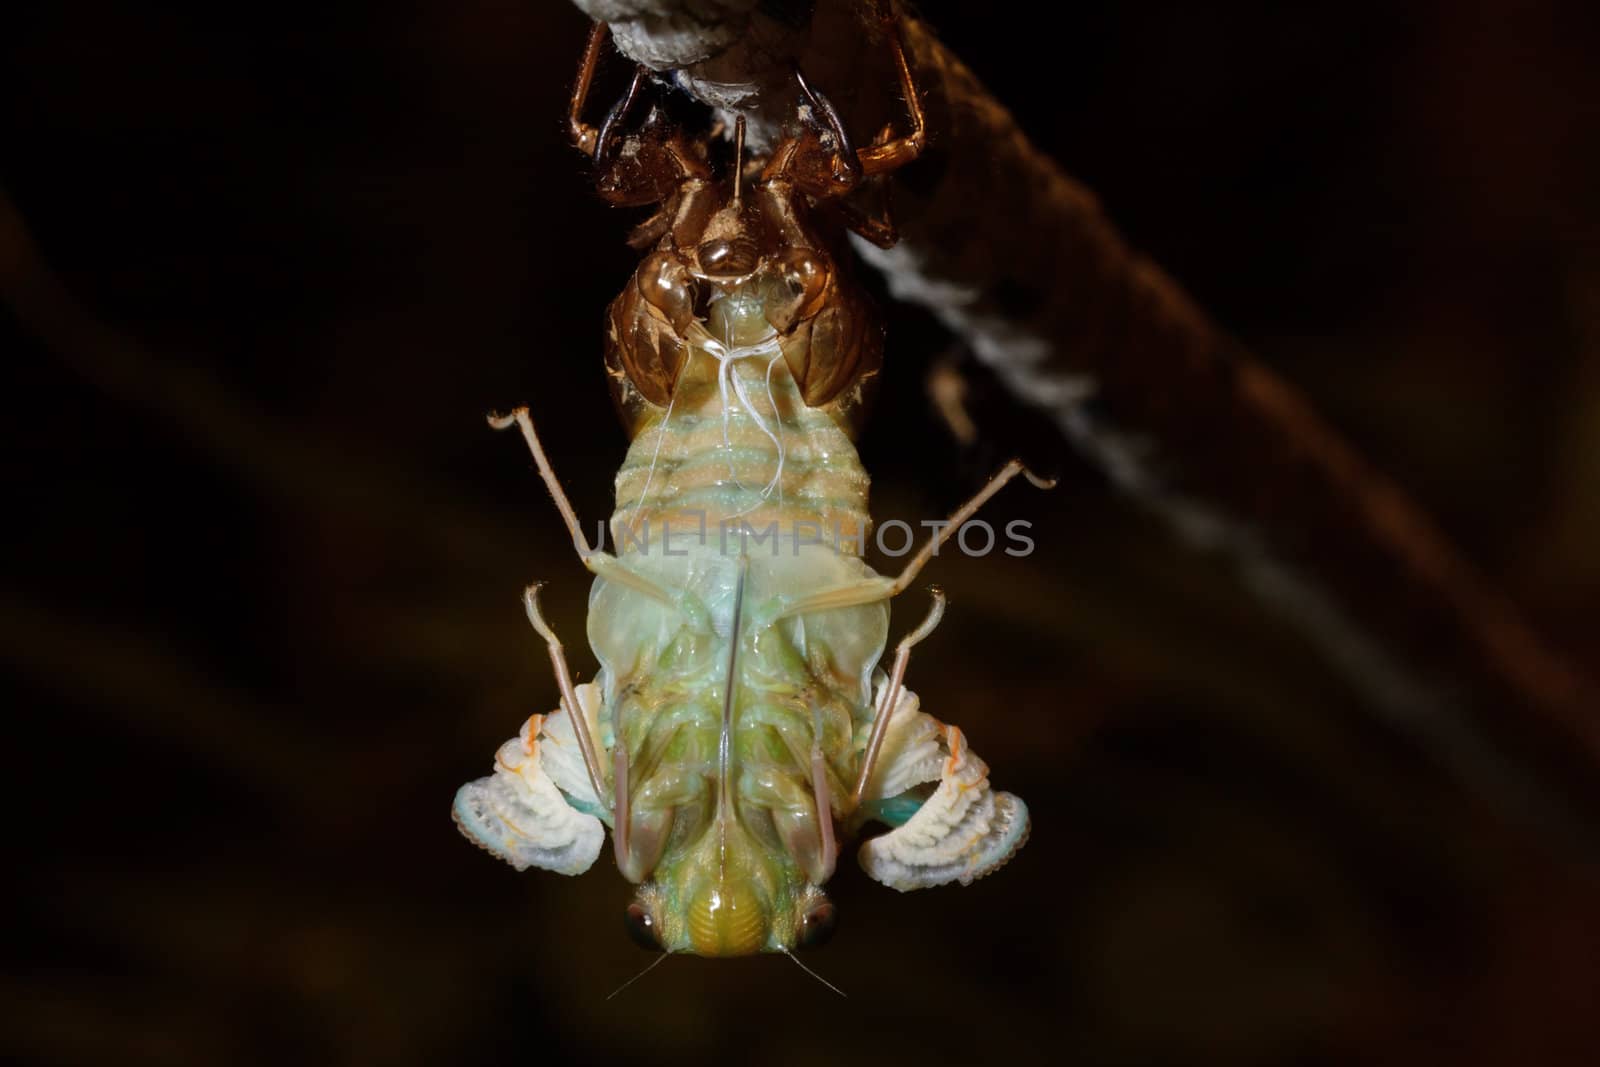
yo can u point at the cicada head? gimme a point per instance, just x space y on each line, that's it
732 892
727 917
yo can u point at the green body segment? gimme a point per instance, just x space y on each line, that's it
737 448
737 500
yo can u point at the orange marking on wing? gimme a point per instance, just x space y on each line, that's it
957 743
530 733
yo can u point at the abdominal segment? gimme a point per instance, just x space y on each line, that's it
736 455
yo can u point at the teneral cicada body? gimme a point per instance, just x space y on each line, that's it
740 727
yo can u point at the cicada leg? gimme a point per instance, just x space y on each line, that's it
827 846
644 818
824 162
874 589
891 695
639 828
804 819
585 136
880 228
569 697
660 158
960 516
591 141
886 155
598 561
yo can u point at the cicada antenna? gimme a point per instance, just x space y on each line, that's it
814 974
652 965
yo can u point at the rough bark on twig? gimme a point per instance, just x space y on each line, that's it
1135 375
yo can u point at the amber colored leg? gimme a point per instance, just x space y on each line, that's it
882 588
961 515
584 135
796 158
896 153
600 563
878 228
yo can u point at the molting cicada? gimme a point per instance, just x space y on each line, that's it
740 726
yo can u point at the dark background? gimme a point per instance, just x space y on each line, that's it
264 557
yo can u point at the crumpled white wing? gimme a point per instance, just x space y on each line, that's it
961 832
911 752
520 815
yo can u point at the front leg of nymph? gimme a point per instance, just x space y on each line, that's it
802 793
666 775
801 815
646 813
600 563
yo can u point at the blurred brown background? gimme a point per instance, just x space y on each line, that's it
264 557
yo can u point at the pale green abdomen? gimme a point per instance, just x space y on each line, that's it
681 687
739 450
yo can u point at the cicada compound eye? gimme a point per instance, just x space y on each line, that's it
666 285
816 925
798 289
642 928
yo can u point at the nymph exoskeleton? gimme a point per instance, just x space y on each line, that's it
739 725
